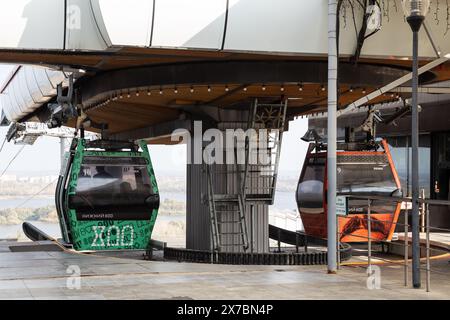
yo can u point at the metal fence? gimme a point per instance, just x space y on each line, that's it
424 227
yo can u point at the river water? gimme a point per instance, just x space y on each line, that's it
33 203
284 201
14 231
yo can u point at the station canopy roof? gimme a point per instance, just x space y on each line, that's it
154 62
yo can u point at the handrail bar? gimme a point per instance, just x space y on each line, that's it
387 198
396 199
425 204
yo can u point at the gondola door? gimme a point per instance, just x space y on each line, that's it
366 173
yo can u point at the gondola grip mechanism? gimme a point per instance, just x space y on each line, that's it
64 108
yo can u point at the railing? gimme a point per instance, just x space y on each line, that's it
424 226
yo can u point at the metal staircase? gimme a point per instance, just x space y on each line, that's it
260 176
256 178
227 214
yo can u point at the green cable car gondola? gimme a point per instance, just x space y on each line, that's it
107 197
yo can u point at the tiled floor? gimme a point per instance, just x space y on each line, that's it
43 275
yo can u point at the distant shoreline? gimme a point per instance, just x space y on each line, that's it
14 216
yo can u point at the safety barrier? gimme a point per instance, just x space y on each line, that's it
424 227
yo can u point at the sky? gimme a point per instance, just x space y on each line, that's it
43 157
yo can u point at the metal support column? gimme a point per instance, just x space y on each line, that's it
369 238
406 252
252 216
427 230
338 244
332 134
422 211
415 168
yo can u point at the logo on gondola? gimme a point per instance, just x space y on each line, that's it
96 216
123 237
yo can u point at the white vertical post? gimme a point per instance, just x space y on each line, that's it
332 135
62 149
338 244
427 230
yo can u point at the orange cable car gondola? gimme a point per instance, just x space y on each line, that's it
363 169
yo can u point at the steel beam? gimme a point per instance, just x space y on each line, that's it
394 84
430 90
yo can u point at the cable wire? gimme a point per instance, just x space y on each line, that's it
3 144
10 162
37 193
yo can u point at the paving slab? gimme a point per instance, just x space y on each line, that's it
44 275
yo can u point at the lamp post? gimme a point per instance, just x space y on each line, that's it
332 136
415 11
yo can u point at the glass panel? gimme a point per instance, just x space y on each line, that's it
365 178
442 179
114 180
310 189
402 155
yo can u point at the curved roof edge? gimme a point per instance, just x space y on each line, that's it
27 88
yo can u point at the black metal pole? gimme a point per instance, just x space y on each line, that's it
306 242
415 168
279 240
415 22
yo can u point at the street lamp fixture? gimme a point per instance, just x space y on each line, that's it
415 12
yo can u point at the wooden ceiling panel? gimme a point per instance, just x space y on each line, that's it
123 116
136 111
